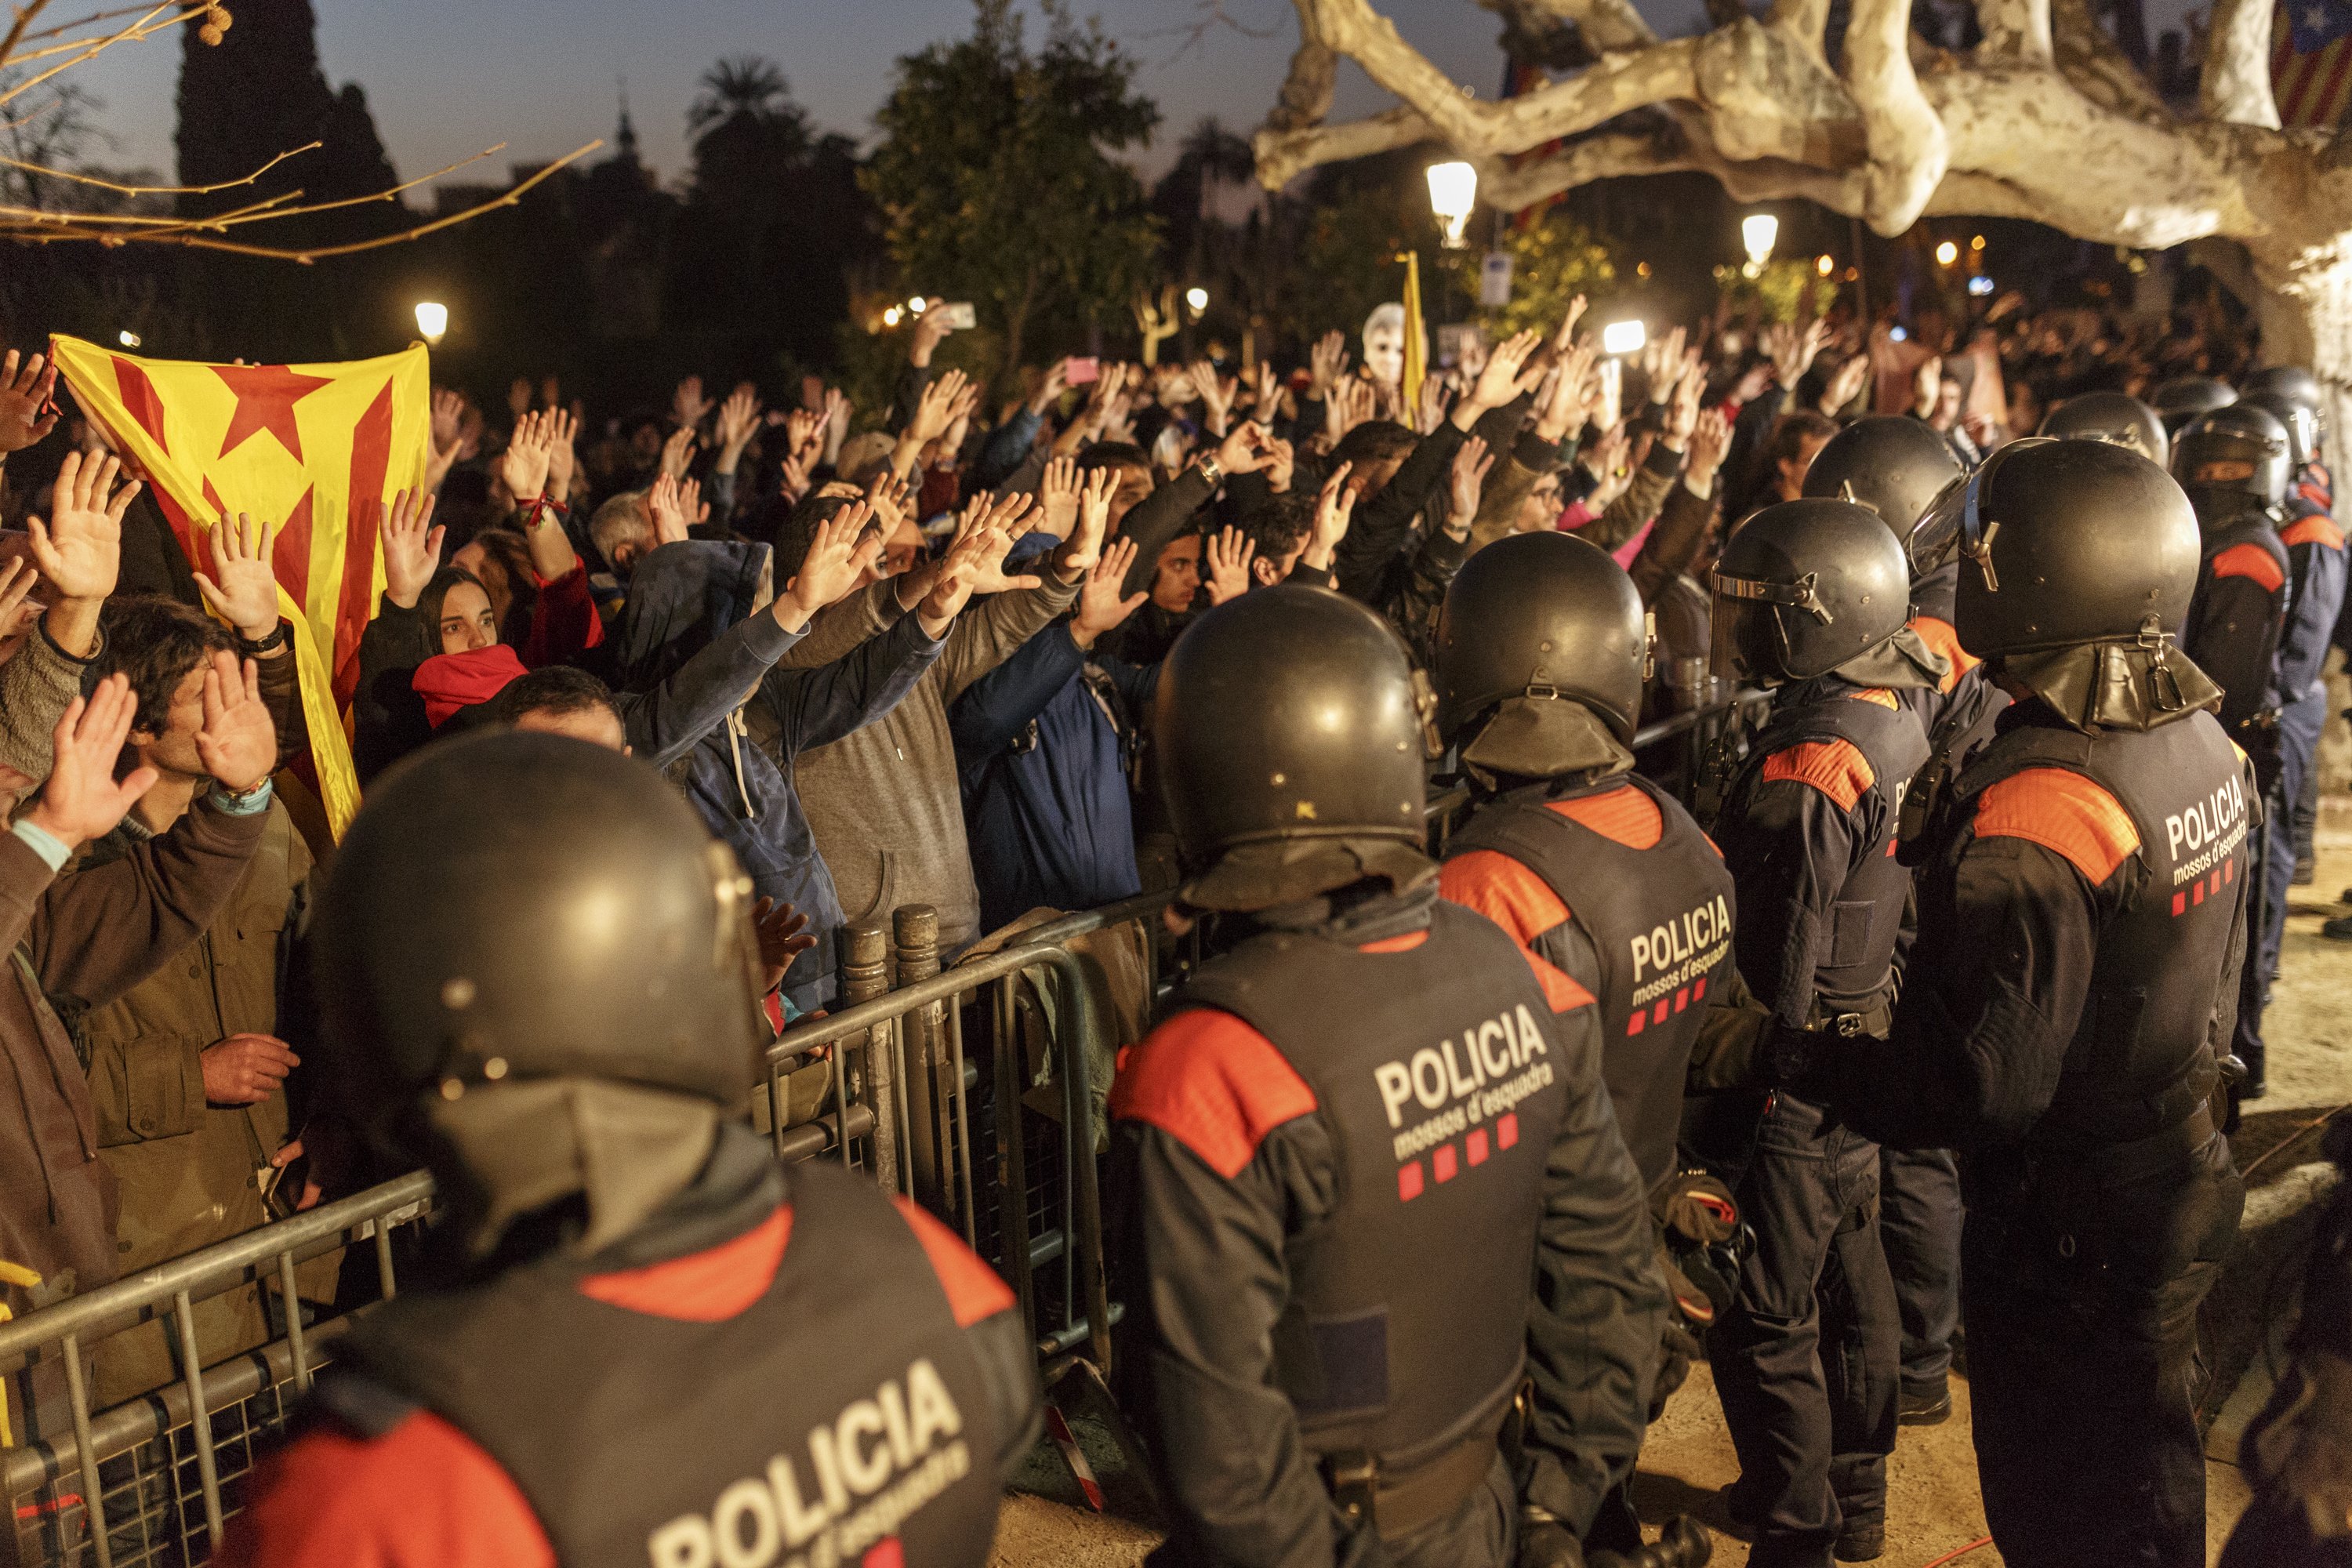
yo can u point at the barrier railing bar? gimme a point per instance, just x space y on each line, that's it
962 1125
221 1265
294 1329
93 1504
200 1421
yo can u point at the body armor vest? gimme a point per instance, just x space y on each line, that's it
1854 971
1659 921
2140 1061
2255 529
843 1411
1441 1077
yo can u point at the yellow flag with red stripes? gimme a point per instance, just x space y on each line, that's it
318 450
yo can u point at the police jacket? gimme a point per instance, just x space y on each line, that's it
1612 883
1808 831
2315 578
1957 712
1376 1181
2237 615
2084 896
821 1372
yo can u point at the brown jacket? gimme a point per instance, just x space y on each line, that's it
187 1170
76 942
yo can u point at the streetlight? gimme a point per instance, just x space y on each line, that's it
1824 264
1196 298
1757 231
916 306
1946 253
126 338
1454 196
432 321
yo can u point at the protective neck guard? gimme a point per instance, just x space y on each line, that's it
1278 872
1899 664
2139 685
1544 738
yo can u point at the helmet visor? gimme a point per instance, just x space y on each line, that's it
1937 537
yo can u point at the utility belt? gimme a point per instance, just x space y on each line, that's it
1876 1019
1400 1502
2097 1162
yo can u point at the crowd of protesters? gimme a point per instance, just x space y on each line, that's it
891 657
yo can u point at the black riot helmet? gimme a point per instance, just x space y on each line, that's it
2232 461
2063 542
2293 382
1806 586
1286 717
2115 417
512 908
2300 422
2184 397
1544 616
1894 465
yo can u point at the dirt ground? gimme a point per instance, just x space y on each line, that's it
1933 1505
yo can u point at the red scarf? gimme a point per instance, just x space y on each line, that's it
448 682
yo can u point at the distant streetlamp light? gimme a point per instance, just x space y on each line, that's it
1824 264
1454 196
126 338
1196 299
1948 253
916 306
432 321
1758 232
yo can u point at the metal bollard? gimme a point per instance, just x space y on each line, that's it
923 1060
873 1082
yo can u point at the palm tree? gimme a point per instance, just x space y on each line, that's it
747 86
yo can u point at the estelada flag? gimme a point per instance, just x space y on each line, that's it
318 450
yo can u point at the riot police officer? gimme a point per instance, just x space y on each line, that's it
2117 417
1812 597
1377 1181
2296 386
638 1338
2315 597
1897 467
2233 464
2185 397
1542 648
2082 888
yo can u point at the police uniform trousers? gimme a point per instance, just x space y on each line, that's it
1919 1218
2084 1387
2300 723
1806 1361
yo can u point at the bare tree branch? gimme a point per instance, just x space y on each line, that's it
1907 148
2015 30
2097 68
120 190
2236 86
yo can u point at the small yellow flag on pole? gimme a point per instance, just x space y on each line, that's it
318 450
1416 338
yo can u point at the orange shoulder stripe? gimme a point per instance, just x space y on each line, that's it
1944 637
1879 694
707 1287
1626 815
2312 530
1836 768
1505 891
973 1289
2251 562
1559 987
2064 813
1212 1083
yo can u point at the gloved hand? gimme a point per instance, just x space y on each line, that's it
1545 1543
1793 1056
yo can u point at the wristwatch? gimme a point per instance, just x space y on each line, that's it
1210 469
270 643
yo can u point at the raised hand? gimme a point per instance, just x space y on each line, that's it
1327 361
1564 412
837 411
1050 386
1471 461
936 409
562 455
519 397
82 799
1084 547
677 452
1101 605
449 432
1281 461
739 420
931 330
1711 440
243 590
16 580
1663 369
1505 376
1682 414
687 405
1334 504
782 931
412 546
238 743
805 436
1561 339
675 507
1012 517
1057 498
889 496
1846 383
529 455
1792 350
1432 403
977 556
1216 396
1928 385
836 562
1245 451
27 410
1226 557
80 550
